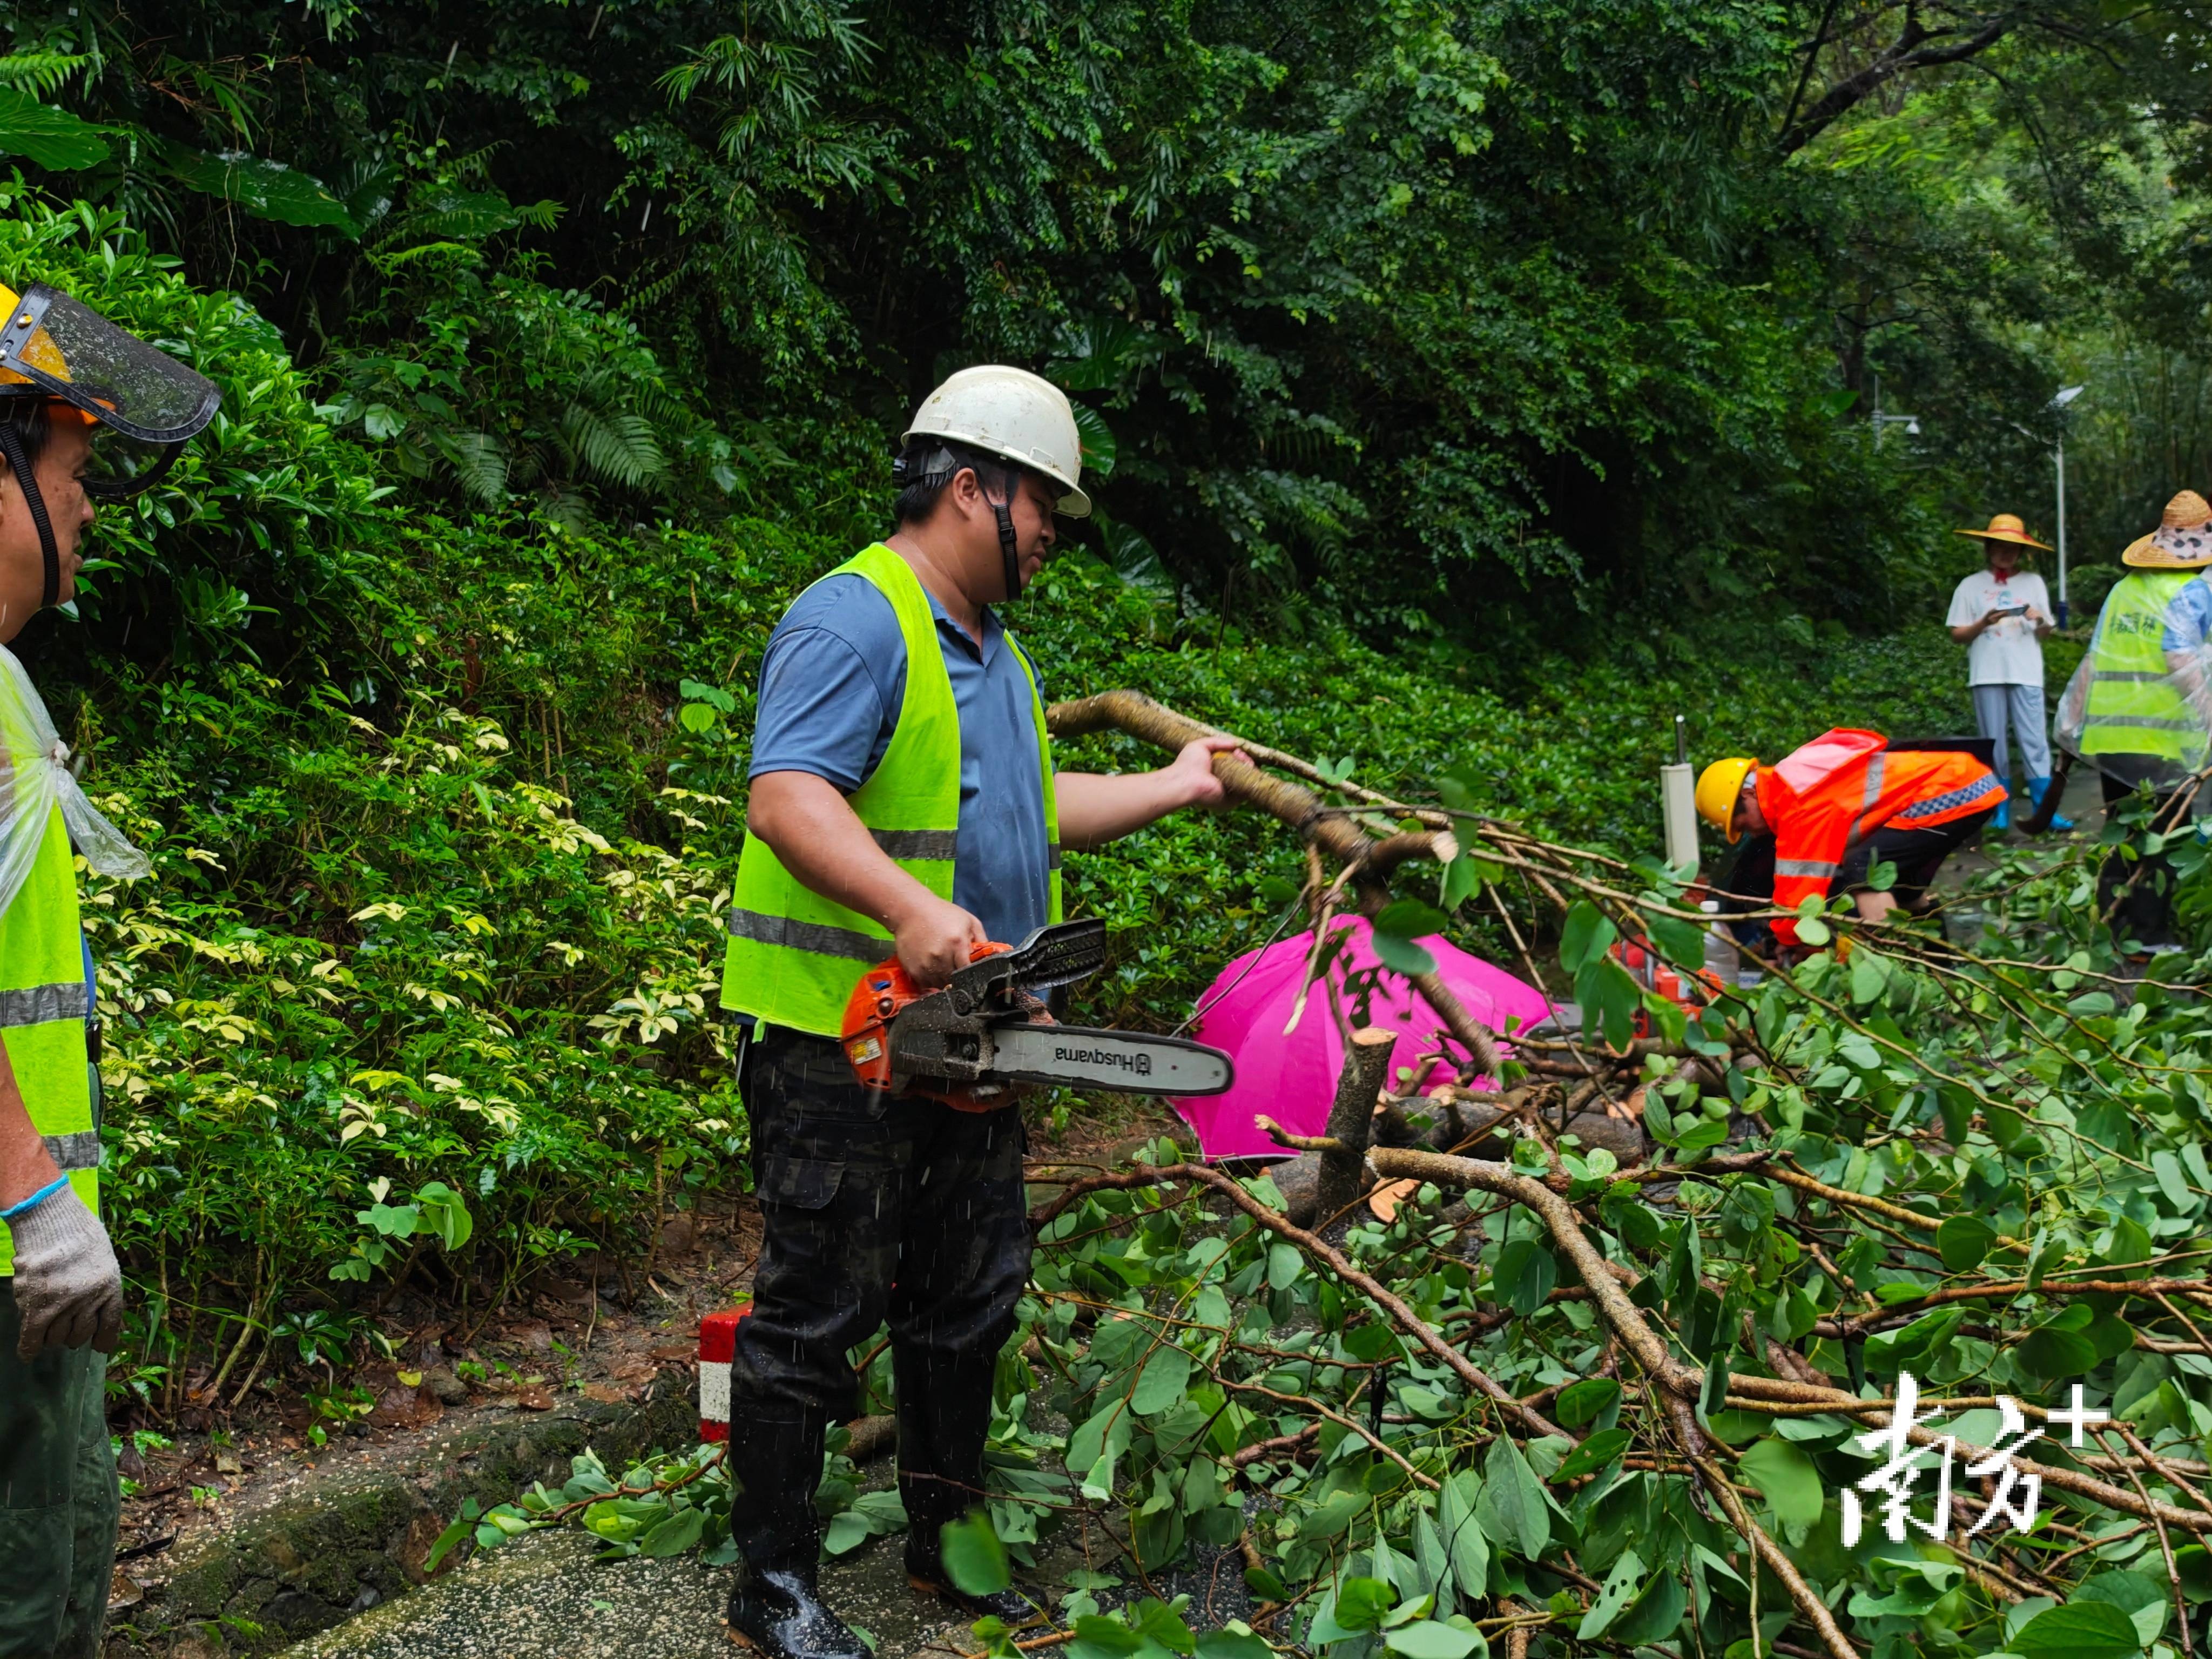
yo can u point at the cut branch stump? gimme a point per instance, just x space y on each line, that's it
1351 1121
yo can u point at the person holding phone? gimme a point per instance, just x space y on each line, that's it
2001 615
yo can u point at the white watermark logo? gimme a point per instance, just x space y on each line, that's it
2018 1490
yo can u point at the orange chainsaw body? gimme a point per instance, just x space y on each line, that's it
878 998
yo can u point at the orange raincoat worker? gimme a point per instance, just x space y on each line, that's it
1845 802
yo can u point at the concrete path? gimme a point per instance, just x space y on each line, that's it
546 1597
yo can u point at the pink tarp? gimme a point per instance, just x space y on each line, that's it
1292 1079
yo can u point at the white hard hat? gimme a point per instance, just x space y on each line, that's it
1012 414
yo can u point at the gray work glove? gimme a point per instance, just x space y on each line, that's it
69 1290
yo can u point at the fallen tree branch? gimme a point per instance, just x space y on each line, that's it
1477 1380
1686 1382
1320 824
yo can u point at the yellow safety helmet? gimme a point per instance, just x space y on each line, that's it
59 352
1718 786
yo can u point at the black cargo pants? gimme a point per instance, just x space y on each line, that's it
876 1208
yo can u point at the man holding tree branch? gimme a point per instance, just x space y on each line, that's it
903 802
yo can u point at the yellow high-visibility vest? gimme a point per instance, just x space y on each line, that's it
793 955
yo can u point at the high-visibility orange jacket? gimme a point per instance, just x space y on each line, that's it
1826 798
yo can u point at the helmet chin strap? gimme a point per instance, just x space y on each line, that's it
1003 511
19 462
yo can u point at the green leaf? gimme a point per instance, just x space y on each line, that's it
1618 1590
674 1535
1814 932
1585 1402
1593 1455
1410 919
1106 1635
266 189
1237 1640
2142 1598
1431 1638
2173 1182
463 1524
1962 1242
2052 1352
1512 1511
1161 1385
1403 955
1157 1622
53 138
1285 1264
1611 999
2079 1629
1462 880
975 1560
1361 1603
1787 1477
1653 1615
1683 943
1585 936
1525 1276
1099 448
1464 1541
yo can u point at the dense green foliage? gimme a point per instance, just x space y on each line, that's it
1469 390
439 860
1988 1177
1485 321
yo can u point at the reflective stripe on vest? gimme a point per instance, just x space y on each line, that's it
42 1013
793 955
1938 806
2134 707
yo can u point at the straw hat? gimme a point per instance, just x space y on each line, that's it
2181 541
2004 527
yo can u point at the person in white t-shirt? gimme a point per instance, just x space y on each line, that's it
2001 613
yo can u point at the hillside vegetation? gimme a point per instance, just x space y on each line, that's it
1468 390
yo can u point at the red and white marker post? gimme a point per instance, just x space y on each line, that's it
718 1347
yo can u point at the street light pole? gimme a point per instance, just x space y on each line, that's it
1882 422
2066 395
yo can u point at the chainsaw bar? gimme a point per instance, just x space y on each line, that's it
1124 1061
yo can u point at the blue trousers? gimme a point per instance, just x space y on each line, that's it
2021 707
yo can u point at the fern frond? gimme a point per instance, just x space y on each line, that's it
41 72
620 448
479 465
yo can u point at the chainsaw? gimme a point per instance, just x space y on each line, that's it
987 1030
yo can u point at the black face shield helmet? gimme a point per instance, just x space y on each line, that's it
143 404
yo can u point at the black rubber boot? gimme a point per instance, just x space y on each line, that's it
776 1607
925 1571
779 1611
944 1422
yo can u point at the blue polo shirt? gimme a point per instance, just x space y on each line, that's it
831 685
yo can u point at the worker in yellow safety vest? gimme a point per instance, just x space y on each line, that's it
904 802
2139 707
86 410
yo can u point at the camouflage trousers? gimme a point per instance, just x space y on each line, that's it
59 1501
879 1210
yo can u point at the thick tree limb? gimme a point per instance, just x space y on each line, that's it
1916 47
1326 828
